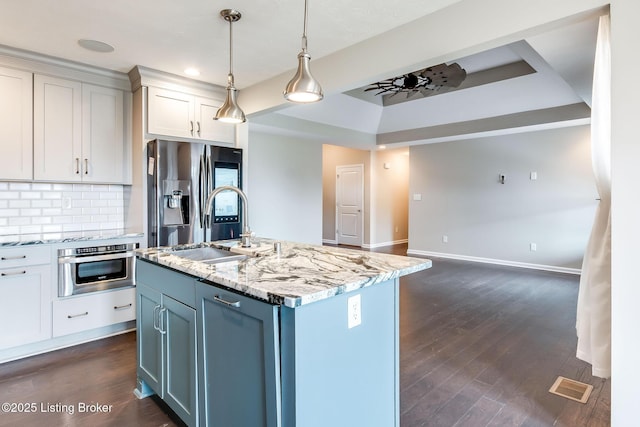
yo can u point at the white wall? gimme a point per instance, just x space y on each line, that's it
285 187
463 199
389 197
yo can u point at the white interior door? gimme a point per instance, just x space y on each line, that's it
349 204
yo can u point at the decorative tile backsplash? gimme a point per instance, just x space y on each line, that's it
35 208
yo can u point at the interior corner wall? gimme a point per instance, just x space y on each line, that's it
333 156
462 198
389 197
285 187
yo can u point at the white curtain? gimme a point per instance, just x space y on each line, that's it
594 299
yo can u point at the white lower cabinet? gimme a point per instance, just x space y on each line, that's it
25 295
25 305
77 314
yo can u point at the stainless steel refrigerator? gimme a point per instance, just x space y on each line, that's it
180 176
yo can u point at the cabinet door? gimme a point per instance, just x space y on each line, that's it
25 305
57 126
180 388
170 113
16 119
150 354
239 359
210 129
102 135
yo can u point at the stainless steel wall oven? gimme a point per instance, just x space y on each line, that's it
95 268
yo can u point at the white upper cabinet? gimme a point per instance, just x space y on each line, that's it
78 132
16 120
57 127
208 128
103 147
182 115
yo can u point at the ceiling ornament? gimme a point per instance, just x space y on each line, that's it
422 81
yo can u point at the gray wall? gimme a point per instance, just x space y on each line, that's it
463 199
285 187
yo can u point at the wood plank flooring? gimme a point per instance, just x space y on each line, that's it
480 346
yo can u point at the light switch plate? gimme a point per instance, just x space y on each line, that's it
354 311
417 196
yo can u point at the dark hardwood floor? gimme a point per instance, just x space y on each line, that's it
480 346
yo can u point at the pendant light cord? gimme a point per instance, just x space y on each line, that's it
304 29
230 76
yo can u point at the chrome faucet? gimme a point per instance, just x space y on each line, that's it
244 222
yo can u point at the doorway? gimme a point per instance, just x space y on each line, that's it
349 204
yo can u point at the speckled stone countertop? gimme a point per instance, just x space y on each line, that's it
64 237
300 275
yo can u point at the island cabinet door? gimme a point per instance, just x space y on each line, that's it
150 354
239 362
178 327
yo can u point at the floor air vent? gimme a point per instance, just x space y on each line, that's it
571 389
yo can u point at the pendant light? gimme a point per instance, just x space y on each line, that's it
303 87
230 112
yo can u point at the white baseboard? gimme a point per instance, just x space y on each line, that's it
383 244
495 261
329 242
59 343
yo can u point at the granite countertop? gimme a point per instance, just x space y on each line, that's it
300 275
64 237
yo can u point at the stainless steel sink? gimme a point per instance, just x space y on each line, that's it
208 255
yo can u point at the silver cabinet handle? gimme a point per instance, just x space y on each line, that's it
77 165
161 322
225 302
14 273
10 258
191 130
156 318
198 123
122 307
72 316
86 166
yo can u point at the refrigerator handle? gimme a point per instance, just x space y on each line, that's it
201 190
209 190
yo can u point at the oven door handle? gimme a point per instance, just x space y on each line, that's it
82 259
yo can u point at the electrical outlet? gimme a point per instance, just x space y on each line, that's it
533 247
445 239
66 202
396 228
354 311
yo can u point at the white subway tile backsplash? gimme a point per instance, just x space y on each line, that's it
30 195
34 208
18 220
19 203
51 212
52 195
30 212
19 186
52 228
62 187
9 195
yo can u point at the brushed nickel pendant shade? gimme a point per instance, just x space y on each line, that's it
303 87
230 112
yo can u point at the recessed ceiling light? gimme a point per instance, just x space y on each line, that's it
381 147
192 72
95 45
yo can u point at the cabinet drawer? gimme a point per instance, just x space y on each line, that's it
78 314
19 256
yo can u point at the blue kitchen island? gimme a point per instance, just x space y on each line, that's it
305 336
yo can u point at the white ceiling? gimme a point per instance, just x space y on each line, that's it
171 36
